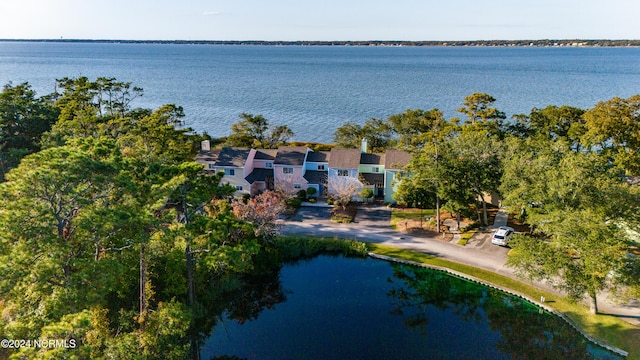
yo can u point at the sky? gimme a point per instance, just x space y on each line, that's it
291 20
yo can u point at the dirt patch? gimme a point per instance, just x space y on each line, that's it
426 228
348 214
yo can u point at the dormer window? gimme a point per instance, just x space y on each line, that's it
321 167
287 170
268 165
343 172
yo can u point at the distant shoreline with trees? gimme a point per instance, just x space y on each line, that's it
389 43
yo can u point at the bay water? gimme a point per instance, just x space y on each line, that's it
315 89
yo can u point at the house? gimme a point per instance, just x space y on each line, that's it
371 172
260 171
293 168
235 163
344 162
207 157
395 162
316 170
288 168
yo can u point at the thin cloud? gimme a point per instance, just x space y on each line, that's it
211 13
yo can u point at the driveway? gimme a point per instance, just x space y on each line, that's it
372 225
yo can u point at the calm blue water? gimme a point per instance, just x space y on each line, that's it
316 89
339 308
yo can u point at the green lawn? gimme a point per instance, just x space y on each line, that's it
466 236
609 329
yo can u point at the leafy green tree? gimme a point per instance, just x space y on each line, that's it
613 128
553 123
472 164
477 107
480 113
87 108
348 135
378 133
416 193
425 133
51 245
254 131
23 120
579 203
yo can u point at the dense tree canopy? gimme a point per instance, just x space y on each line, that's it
113 204
23 120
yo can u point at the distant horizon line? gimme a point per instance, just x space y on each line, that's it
497 42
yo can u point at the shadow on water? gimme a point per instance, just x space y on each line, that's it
526 332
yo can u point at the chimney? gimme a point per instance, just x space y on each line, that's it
206 145
363 146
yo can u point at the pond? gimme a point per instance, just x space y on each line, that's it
332 307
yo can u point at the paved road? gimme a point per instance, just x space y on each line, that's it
372 225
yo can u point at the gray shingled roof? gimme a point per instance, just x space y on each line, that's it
259 175
316 177
232 157
318 156
266 154
396 159
341 158
207 155
372 159
291 155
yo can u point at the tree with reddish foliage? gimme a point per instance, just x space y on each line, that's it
262 211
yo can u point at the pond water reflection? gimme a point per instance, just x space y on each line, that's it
344 308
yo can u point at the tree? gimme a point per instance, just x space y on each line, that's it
88 108
581 215
52 248
416 193
253 131
263 212
23 120
472 164
613 128
348 135
477 107
424 133
343 188
378 133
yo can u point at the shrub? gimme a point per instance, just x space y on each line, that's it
302 195
329 202
366 193
312 200
293 202
311 191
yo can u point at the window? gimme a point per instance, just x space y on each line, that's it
297 186
230 172
376 169
287 170
321 167
211 166
343 172
268 165
239 187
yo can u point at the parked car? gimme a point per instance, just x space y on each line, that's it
502 236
